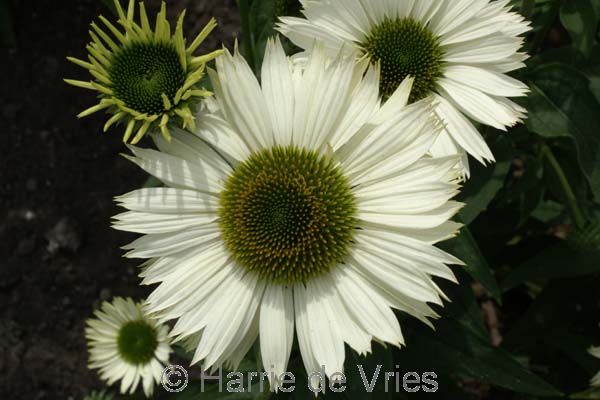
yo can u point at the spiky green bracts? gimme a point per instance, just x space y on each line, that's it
145 77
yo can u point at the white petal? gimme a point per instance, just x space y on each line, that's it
303 330
276 330
168 201
140 222
366 307
324 332
277 87
478 105
174 171
229 318
241 100
163 244
487 81
462 131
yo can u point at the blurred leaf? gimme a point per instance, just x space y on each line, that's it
548 211
466 249
99 395
560 305
263 16
262 19
460 345
562 105
581 20
576 348
381 360
591 394
558 261
486 181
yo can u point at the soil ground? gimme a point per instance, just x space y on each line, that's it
59 258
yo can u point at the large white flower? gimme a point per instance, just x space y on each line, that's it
322 220
124 344
459 52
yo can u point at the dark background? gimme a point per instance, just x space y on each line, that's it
59 257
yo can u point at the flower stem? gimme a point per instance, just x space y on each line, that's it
572 204
246 32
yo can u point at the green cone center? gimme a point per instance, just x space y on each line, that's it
137 342
287 214
141 72
405 47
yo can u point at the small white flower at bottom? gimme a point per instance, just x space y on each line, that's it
124 344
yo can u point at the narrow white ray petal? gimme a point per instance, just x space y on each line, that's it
395 103
303 330
277 88
140 222
413 283
164 244
198 270
462 131
157 270
445 231
367 308
410 252
478 105
456 13
303 34
238 354
493 48
375 143
394 294
213 128
227 318
276 330
423 220
361 109
344 18
324 332
176 172
487 81
191 148
165 200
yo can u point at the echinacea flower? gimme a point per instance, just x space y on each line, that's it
145 78
458 51
125 344
321 221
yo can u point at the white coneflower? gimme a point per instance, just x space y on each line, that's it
459 52
124 344
145 77
322 221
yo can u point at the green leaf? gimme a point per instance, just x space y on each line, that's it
466 249
379 361
554 262
262 20
486 181
263 16
562 105
562 304
460 345
590 394
581 20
